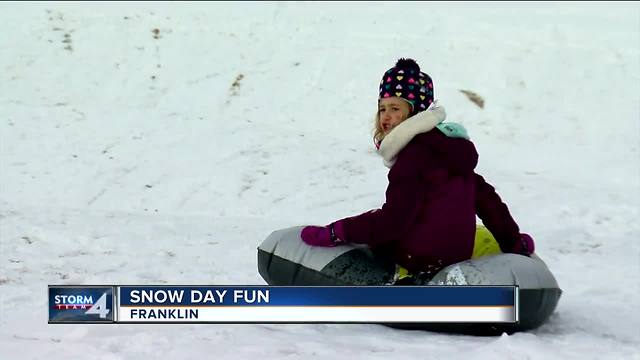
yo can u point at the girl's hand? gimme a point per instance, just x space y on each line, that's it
322 235
524 245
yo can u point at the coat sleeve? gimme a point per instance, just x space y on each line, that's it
404 198
495 214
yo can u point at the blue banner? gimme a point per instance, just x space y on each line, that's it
316 296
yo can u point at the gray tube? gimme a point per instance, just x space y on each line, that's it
285 260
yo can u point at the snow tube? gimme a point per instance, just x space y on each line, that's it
285 260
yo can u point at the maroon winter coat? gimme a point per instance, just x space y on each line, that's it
428 220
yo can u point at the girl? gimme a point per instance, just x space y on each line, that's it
428 219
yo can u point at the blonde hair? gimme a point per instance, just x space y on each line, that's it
378 134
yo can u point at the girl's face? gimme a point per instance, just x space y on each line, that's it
391 112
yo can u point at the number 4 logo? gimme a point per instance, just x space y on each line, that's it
99 308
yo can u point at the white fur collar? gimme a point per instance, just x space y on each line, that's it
400 135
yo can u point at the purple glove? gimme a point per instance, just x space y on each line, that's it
524 245
328 236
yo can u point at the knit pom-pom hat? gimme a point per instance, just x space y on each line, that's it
406 81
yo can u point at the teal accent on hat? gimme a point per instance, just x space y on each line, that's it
453 130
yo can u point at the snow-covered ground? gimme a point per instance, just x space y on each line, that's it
128 156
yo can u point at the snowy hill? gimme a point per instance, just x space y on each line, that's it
161 143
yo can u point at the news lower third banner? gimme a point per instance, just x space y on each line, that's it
283 304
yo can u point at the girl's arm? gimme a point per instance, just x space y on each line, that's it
495 215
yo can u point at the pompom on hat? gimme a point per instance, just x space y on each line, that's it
406 81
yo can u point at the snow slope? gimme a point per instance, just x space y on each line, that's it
128 156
